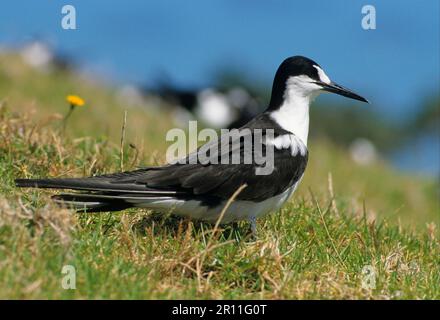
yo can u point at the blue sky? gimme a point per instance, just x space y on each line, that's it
132 41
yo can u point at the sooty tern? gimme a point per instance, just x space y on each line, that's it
201 190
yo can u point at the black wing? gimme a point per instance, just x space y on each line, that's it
222 180
196 179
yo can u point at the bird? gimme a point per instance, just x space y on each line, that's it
217 107
201 191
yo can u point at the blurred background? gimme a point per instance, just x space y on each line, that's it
215 60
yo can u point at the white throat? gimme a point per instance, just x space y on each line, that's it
293 114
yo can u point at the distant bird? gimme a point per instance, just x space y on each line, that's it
215 107
363 151
41 55
201 190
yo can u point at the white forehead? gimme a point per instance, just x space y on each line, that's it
322 76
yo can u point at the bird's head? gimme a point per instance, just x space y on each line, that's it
302 77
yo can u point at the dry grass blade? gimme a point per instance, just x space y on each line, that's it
121 153
332 194
225 208
340 260
210 246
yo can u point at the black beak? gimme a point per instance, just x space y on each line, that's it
336 88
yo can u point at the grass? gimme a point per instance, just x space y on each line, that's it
343 218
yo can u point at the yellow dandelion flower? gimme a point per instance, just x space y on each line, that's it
75 100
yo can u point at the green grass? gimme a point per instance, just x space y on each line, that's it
316 246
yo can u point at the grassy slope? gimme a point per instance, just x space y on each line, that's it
310 249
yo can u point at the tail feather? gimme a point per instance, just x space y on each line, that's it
81 203
88 184
103 193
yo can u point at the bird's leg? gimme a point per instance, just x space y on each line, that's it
233 229
253 222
